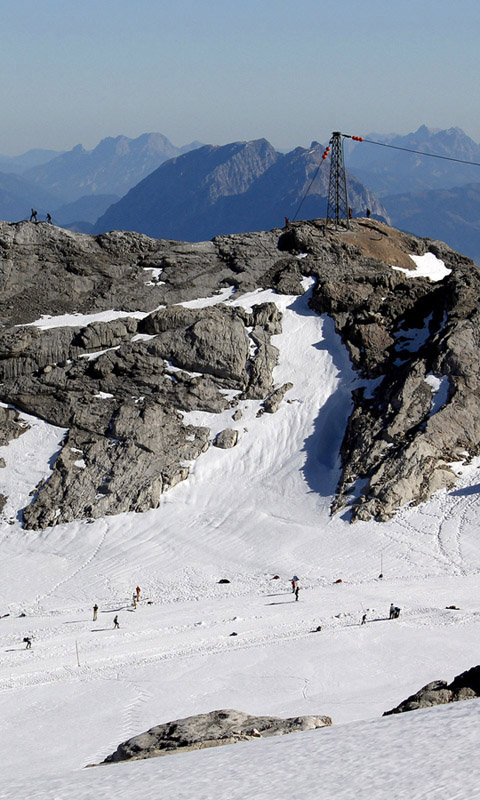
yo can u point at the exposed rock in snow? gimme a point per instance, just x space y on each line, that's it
464 687
226 439
225 726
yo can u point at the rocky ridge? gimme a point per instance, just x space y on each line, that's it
120 388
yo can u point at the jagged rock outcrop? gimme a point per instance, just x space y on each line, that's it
127 443
120 387
465 686
225 726
412 337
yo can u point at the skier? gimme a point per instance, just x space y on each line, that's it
134 599
138 593
392 610
294 583
396 612
33 216
364 619
116 624
95 612
297 590
28 640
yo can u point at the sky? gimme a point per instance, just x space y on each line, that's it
219 71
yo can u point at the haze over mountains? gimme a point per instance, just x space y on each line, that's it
423 195
231 189
195 192
97 177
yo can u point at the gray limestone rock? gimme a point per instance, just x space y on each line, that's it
225 726
226 439
272 402
464 687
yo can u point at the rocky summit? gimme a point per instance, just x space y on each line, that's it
120 388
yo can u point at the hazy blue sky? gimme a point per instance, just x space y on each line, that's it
75 71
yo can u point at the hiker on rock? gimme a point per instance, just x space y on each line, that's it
368 213
33 216
95 612
49 219
116 623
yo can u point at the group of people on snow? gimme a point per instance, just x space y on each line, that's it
394 612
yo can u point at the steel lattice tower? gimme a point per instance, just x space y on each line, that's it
337 208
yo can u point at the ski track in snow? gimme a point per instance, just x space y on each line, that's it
248 514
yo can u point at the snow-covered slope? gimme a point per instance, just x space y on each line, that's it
246 514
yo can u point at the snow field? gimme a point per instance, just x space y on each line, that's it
245 514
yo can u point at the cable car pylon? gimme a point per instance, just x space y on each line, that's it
337 206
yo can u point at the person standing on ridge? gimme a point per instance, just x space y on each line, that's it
95 612
33 216
49 219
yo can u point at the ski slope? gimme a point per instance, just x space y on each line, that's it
247 514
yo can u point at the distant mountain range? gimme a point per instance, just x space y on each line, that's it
32 158
113 167
426 196
233 188
194 192
388 171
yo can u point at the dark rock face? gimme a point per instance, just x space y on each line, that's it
464 687
209 730
120 387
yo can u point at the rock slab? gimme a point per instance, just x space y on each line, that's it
225 726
